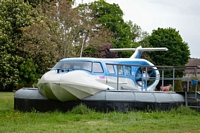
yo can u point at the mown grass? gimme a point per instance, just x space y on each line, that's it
84 120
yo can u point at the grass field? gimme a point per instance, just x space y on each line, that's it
84 120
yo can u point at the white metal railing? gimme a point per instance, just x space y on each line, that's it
193 69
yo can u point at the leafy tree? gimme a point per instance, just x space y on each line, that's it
100 52
68 22
74 28
35 3
92 35
14 14
53 35
110 16
139 38
178 51
27 73
39 42
137 34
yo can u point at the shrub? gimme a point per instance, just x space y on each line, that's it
82 109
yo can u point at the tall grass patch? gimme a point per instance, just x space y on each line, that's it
84 120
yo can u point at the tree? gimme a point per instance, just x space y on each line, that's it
139 38
55 35
62 12
137 34
39 42
110 16
14 14
92 35
35 3
178 51
27 73
100 52
59 32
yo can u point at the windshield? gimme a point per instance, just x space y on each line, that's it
84 65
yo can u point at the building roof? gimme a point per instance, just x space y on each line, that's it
193 62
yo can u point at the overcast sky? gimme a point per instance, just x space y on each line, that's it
183 15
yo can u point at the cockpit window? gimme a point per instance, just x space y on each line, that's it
97 68
65 66
110 69
80 65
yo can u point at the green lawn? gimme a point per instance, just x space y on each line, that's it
83 120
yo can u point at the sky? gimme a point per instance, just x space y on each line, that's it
183 15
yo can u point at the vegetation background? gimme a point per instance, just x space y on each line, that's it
35 34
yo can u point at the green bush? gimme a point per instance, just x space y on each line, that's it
81 109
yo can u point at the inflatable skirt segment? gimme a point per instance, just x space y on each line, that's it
29 99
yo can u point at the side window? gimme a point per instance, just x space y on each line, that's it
97 68
128 70
110 69
120 70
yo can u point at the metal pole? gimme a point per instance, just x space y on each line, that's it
186 101
117 77
146 79
188 80
162 79
173 77
188 85
197 84
142 80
